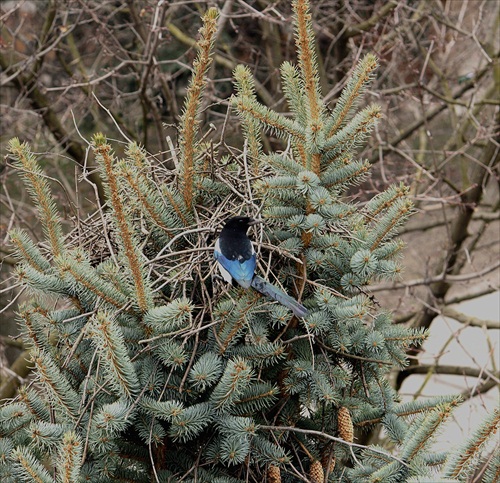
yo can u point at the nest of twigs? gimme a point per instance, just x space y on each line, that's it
185 263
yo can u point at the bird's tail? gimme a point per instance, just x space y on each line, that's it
275 293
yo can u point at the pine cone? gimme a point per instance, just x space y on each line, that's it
274 474
346 430
316 474
328 460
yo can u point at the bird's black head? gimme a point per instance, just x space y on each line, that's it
240 223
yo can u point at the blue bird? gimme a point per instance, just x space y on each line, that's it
237 260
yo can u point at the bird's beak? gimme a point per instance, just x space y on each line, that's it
255 221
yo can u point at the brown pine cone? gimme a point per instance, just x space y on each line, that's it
328 460
316 474
346 430
274 474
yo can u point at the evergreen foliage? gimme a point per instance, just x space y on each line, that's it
146 372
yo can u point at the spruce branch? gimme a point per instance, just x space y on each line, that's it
28 468
26 250
385 200
348 355
149 199
188 423
462 462
206 371
269 119
269 452
423 430
492 468
89 285
39 190
292 88
176 202
46 436
246 88
405 410
37 328
132 254
352 134
189 122
109 341
58 387
172 318
349 173
395 216
235 320
361 77
236 377
308 63
257 397
133 170
34 403
70 458
40 282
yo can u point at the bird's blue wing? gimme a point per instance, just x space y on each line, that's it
241 271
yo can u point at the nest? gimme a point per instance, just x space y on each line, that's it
187 258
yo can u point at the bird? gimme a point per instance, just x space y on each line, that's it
237 260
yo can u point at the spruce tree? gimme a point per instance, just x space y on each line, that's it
148 368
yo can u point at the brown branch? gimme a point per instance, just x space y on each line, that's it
471 294
266 97
322 435
482 388
41 103
8 341
469 319
459 232
386 9
448 370
429 114
20 369
443 277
